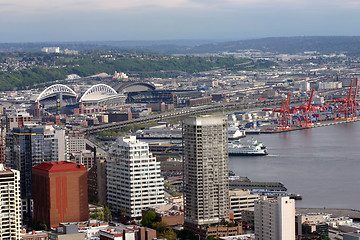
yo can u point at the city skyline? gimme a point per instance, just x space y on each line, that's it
39 21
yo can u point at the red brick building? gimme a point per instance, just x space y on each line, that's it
60 193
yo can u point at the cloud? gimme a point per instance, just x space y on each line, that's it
52 6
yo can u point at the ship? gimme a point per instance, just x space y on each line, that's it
247 148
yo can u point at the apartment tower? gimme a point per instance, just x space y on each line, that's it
10 211
133 178
275 219
206 163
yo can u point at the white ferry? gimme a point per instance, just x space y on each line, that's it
247 148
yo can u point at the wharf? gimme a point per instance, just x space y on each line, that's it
335 212
316 124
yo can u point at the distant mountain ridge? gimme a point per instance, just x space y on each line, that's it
286 45
290 45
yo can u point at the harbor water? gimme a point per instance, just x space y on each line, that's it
322 164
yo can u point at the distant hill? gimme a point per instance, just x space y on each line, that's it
167 45
289 45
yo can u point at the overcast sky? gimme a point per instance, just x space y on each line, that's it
94 20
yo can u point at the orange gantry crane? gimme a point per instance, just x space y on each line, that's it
285 118
304 113
346 108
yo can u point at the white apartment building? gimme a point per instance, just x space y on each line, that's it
275 219
133 177
10 211
241 200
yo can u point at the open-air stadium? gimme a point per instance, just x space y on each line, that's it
62 99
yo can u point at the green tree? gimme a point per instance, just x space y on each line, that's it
164 230
107 213
184 234
148 219
98 214
38 225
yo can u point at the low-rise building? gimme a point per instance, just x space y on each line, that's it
171 214
241 200
34 235
123 232
67 232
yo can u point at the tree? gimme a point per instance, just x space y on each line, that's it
148 219
168 234
164 230
107 213
184 234
38 225
98 214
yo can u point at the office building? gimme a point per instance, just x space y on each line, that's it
10 211
29 146
275 219
133 177
60 193
18 120
75 142
206 170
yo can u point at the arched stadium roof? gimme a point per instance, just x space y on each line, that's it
134 87
98 92
53 89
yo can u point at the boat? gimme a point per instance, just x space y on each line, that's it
247 148
235 133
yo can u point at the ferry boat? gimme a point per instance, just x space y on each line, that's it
247 148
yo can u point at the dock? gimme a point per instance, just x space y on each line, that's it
315 125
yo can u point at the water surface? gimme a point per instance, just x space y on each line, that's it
321 164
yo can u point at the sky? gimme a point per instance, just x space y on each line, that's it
117 20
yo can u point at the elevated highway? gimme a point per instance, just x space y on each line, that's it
186 112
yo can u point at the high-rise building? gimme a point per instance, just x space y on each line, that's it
75 142
60 193
97 180
275 219
133 177
10 211
29 146
206 181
